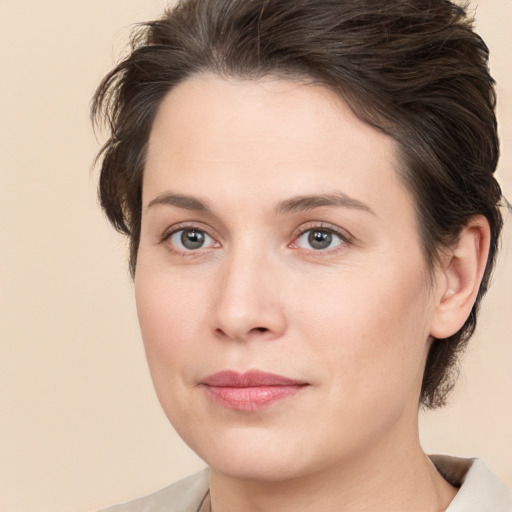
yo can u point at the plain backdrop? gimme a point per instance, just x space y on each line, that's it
80 426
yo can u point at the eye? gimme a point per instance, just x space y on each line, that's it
319 239
190 239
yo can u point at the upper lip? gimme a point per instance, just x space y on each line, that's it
249 379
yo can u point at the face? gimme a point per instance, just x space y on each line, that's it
282 292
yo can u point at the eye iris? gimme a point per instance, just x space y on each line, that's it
192 238
320 239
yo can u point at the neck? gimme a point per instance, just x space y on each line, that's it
394 476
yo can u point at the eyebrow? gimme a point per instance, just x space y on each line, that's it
293 204
309 202
181 201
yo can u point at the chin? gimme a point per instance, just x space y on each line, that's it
263 468
250 454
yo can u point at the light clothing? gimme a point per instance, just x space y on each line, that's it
479 491
187 495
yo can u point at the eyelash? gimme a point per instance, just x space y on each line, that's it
344 238
186 227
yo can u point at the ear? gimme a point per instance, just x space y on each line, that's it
459 278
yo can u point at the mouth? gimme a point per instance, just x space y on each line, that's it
250 391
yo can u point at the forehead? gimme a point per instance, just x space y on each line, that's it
267 137
270 109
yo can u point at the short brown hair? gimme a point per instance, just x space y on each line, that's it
413 69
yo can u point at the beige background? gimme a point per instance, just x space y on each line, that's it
80 426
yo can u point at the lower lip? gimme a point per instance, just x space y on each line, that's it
250 398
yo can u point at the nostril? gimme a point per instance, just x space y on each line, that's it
223 334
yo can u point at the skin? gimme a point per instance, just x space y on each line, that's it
353 320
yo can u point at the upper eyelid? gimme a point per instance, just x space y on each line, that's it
165 237
169 233
186 225
297 232
305 226
312 225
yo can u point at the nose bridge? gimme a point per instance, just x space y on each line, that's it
247 302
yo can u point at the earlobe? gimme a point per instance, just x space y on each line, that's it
459 278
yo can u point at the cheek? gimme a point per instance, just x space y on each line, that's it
170 317
371 331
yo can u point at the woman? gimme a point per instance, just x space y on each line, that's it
309 195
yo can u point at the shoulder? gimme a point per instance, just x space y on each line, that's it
183 496
479 489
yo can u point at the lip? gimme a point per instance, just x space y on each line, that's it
250 391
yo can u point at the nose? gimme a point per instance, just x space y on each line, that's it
248 301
